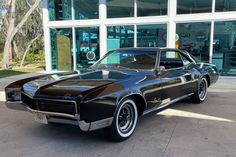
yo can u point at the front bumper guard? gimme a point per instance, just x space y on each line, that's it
63 118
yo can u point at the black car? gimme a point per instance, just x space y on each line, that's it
122 86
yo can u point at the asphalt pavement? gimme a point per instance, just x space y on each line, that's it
183 130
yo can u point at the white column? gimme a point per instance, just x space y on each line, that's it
74 50
211 41
72 10
171 32
135 8
135 36
212 33
213 6
103 28
135 26
171 27
73 36
47 41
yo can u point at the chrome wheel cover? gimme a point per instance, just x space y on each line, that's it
126 118
202 91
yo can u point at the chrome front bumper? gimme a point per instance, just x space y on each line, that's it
55 117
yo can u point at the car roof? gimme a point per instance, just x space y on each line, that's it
140 48
146 48
158 49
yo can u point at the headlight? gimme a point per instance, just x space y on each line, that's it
13 94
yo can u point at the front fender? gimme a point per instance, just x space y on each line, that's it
104 106
100 103
131 94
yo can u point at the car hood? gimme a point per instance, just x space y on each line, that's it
73 85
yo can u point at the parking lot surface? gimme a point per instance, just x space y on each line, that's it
183 130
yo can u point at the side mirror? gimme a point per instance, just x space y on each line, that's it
161 69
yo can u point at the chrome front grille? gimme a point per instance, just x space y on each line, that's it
68 107
51 105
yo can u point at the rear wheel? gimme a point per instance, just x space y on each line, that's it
124 122
200 95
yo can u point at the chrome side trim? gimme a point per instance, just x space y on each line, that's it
84 126
62 121
167 104
179 84
101 124
95 125
16 105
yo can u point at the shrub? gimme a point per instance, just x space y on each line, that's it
32 57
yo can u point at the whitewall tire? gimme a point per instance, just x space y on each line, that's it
125 121
200 95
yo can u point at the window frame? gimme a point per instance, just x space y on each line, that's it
174 50
155 66
210 11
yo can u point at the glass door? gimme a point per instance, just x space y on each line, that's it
61 46
87 45
224 52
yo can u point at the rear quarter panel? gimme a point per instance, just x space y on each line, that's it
210 70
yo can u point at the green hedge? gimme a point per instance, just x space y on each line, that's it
32 57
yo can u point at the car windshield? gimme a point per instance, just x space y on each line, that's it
129 59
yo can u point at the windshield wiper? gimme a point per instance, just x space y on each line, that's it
123 67
101 66
105 66
119 66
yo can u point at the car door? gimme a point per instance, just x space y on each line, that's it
177 78
151 90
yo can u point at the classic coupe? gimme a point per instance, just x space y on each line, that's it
120 87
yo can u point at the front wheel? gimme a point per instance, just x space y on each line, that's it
124 122
200 95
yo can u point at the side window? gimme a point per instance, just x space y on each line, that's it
173 59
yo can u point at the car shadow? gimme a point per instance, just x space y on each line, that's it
152 122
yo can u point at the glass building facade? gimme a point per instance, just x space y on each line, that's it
120 37
151 35
78 32
151 7
195 38
194 6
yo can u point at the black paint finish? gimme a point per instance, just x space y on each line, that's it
97 92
